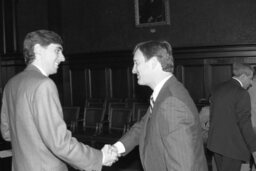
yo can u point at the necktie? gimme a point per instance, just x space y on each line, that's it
151 104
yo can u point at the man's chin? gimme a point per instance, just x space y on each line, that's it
54 72
140 82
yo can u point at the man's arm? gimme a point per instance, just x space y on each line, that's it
178 134
243 114
132 137
48 118
5 125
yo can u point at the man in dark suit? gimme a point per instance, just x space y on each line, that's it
32 117
169 135
231 136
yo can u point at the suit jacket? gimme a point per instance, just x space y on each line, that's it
32 119
169 138
231 132
252 93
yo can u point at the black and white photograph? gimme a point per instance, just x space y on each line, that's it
127 85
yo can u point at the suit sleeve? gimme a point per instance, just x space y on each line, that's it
53 131
5 125
132 137
243 113
175 125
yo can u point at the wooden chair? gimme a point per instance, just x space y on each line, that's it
115 126
140 113
138 110
92 117
70 115
112 105
94 102
118 119
108 102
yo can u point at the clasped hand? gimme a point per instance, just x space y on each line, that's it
110 154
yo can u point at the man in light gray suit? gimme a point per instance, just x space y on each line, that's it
169 135
32 118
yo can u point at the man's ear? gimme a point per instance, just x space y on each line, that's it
242 77
37 49
155 62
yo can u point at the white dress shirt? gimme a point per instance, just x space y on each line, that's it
120 147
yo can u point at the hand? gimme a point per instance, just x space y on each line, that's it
110 155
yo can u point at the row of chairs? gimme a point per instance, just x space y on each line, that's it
104 122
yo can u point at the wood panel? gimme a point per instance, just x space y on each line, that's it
78 87
119 83
98 82
193 79
106 75
8 24
219 74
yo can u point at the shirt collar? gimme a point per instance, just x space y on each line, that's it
40 69
159 86
238 81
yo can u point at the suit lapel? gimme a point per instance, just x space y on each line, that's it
163 94
149 120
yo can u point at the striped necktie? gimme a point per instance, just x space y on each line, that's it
151 104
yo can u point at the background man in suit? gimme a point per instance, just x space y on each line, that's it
252 93
231 136
169 135
32 118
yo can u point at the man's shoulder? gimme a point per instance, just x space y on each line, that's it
27 78
229 85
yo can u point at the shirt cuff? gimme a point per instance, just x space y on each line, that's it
120 147
103 157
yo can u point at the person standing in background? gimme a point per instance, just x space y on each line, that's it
32 117
231 137
252 93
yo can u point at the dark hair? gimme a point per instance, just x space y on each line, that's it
160 49
41 37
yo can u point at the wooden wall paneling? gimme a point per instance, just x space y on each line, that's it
194 81
10 38
54 15
108 91
87 82
78 87
179 73
191 72
9 68
98 82
130 87
67 85
219 74
119 82
207 80
2 26
89 78
250 60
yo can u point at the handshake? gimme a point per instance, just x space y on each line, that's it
110 155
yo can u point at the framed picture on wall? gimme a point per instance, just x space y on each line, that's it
152 12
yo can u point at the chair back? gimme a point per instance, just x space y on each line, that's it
138 110
70 116
140 113
118 119
94 102
92 116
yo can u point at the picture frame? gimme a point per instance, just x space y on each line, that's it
151 13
